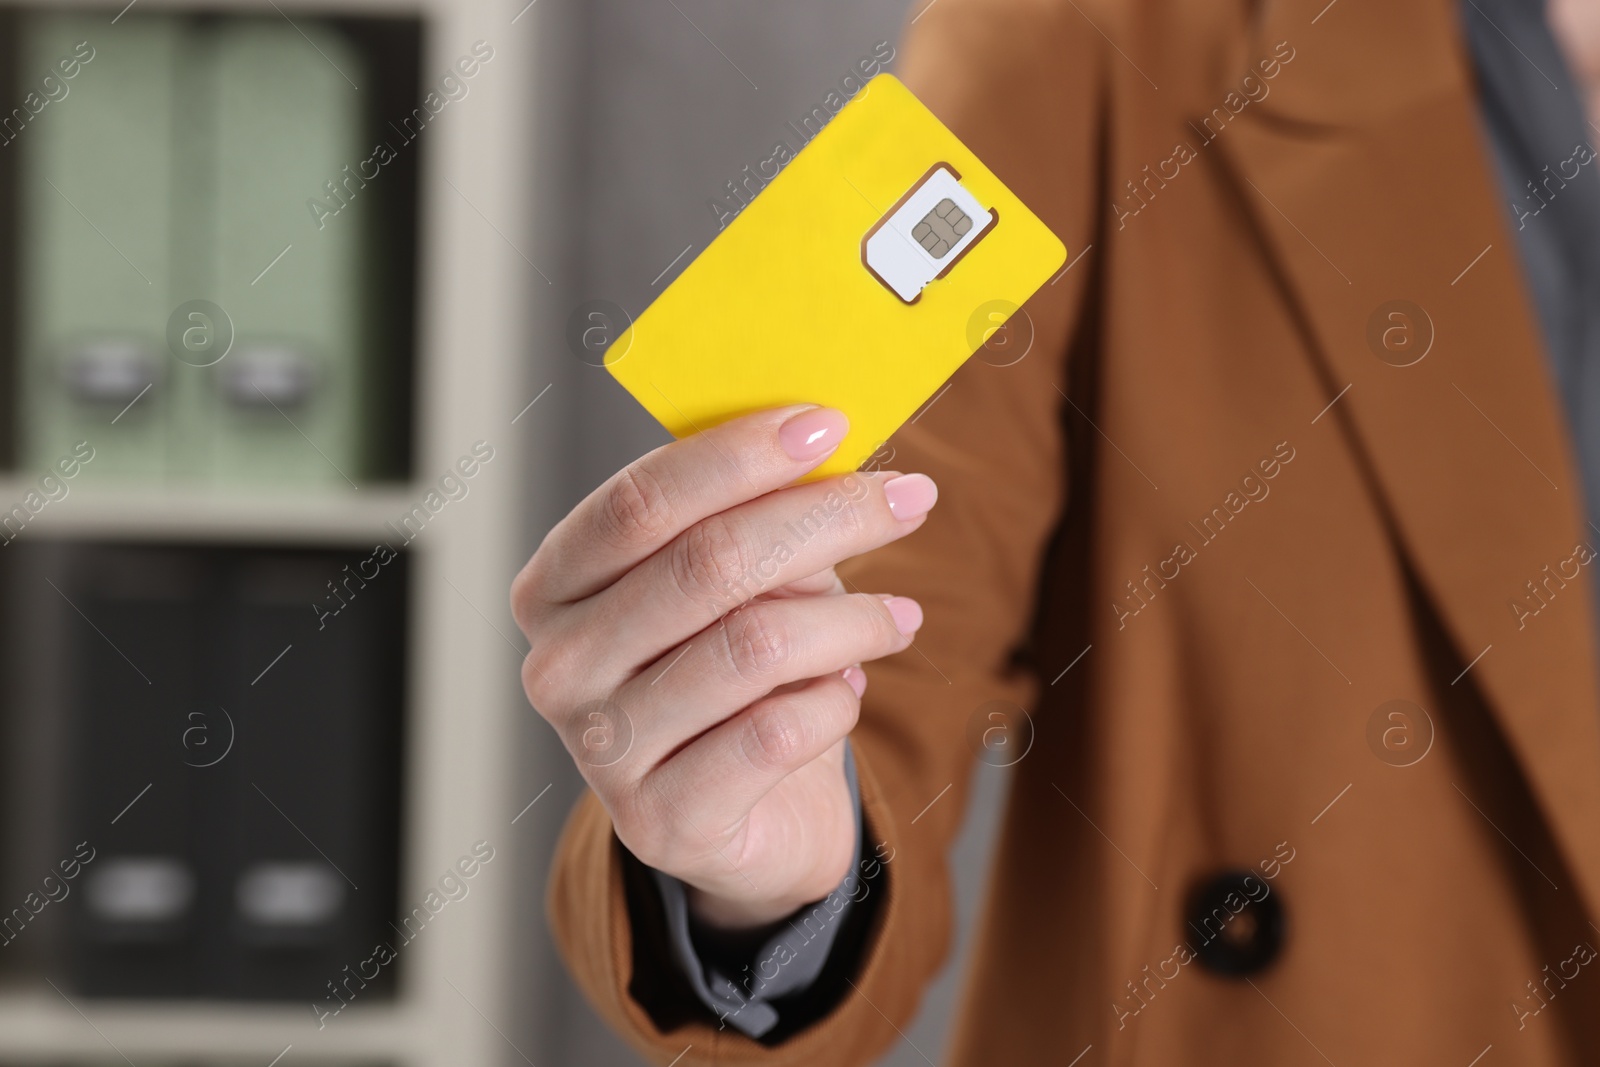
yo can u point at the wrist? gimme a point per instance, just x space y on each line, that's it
734 917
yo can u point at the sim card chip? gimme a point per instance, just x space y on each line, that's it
941 228
923 235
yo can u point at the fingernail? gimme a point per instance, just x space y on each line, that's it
910 496
907 614
813 433
857 680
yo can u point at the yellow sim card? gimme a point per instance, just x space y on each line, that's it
860 278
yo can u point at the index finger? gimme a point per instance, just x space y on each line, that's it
654 499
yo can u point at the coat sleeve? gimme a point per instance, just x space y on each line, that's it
1021 82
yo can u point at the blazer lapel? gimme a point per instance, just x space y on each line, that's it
1368 176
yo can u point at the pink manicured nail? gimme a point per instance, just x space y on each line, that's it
856 678
907 614
910 496
813 433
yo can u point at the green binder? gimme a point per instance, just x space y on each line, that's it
98 187
285 404
170 243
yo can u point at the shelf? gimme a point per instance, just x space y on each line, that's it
46 1025
309 8
281 516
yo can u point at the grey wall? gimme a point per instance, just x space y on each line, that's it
647 115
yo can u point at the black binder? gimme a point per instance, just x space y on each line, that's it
245 737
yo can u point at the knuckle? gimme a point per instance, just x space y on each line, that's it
756 646
533 683
774 736
644 847
634 824
708 559
843 519
855 520
537 681
644 841
525 596
647 821
550 672
637 508
868 620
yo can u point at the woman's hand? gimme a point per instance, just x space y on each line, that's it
701 661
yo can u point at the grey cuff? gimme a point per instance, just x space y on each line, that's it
785 964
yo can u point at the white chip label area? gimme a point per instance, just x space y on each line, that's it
925 234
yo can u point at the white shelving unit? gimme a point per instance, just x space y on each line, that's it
44 1027
353 519
474 350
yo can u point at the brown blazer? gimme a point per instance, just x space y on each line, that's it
1420 538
